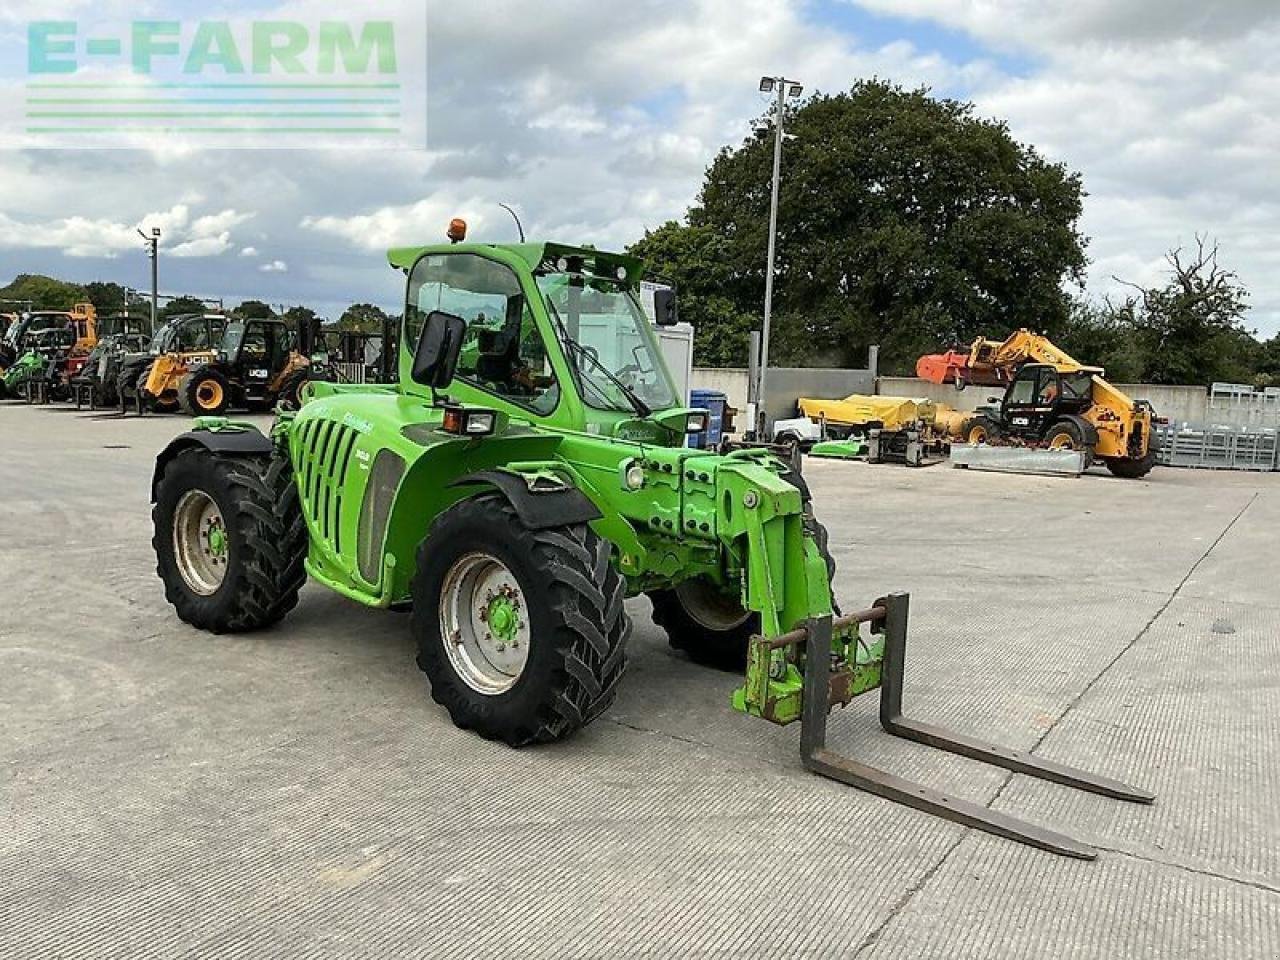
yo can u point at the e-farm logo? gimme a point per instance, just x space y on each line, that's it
227 83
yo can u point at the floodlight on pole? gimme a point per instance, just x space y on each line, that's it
784 89
153 251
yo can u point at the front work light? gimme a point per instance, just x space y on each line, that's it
697 422
464 422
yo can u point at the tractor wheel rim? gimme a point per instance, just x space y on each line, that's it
209 394
711 608
484 624
201 544
1062 442
977 435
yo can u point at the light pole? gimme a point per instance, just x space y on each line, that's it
785 88
153 251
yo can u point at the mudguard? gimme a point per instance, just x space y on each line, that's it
541 509
240 442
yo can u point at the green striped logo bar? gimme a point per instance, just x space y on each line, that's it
267 83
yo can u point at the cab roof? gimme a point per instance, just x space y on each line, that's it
534 254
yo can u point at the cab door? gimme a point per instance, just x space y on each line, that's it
256 357
1031 401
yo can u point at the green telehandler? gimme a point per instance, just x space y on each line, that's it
525 475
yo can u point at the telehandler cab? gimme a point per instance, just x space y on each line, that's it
526 474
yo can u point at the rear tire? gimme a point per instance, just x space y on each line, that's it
247 575
980 429
290 396
204 393
1133 469
128 380
568 605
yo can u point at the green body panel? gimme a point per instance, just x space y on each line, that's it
23 369
374 470
851 449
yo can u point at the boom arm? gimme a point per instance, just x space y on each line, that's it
990 363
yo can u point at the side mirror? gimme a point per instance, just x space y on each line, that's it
436 357
666 310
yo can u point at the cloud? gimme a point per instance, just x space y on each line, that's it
1167 109
275 266
1049 26
84 237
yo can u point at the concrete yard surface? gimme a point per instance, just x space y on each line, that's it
297 793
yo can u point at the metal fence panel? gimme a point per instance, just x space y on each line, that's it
1218 447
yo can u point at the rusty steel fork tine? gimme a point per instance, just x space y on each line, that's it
820 760
891 718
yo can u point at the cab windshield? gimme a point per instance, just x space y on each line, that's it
608 343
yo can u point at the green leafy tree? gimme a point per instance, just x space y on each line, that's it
1191 330
181 305
1102 335
905 220
363 317
46 293
108 298
254 310
694 260
299 316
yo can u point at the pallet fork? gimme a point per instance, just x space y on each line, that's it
852 667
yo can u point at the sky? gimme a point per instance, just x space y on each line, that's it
597 121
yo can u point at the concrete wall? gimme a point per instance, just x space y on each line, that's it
915 389
731 381
783 387
1176 403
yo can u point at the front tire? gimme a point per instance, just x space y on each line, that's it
561 602
709 625
230 540
204 393
1068 435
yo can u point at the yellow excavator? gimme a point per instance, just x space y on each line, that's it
1051 401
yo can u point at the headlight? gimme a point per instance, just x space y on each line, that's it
697 422
462 422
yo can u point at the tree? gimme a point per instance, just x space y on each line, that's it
363 317
107 298
180 306
905 221
45 293
1191 330
298 317
254 310
1101 335
694 260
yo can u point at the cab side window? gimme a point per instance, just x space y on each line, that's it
503 351
1049 390
1024 390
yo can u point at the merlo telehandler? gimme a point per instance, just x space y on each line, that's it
525 475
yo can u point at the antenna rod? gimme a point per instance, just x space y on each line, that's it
516 218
